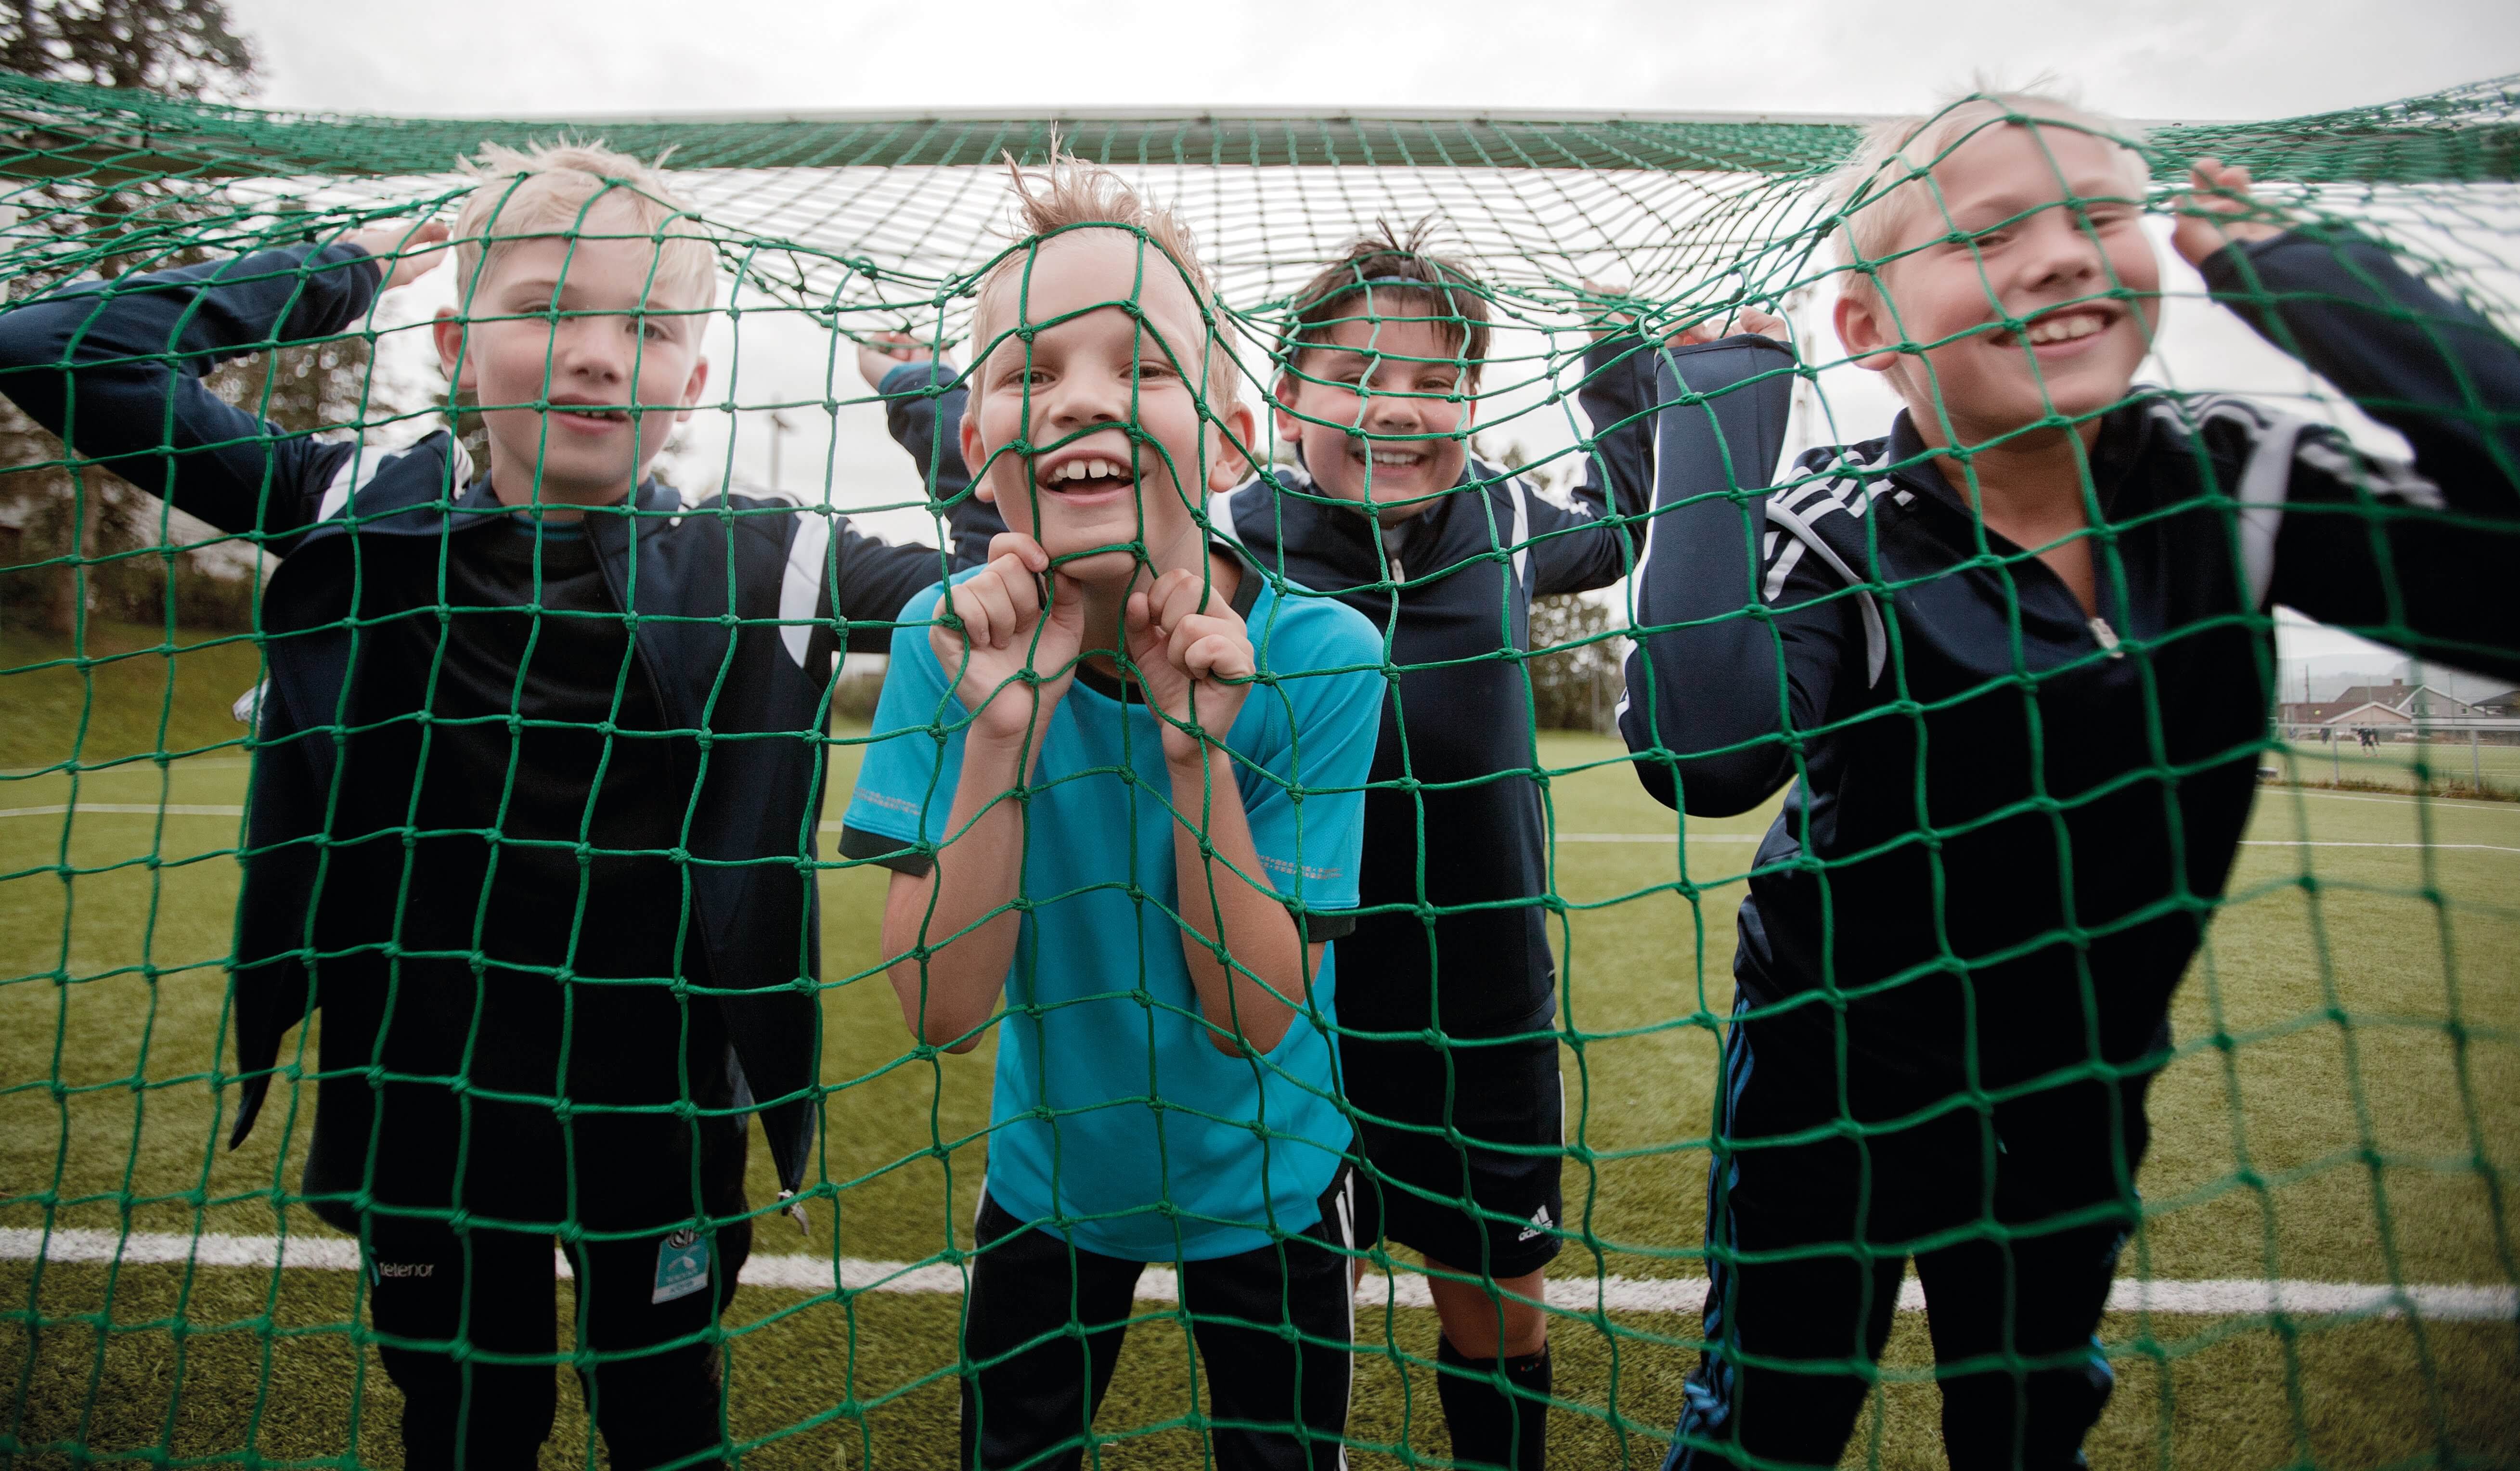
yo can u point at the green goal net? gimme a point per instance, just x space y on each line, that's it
2317 1267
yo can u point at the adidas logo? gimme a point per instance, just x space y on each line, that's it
1540 1223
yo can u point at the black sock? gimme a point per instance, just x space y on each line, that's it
1490 1427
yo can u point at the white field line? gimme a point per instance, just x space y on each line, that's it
2439 1303
2255 842
184 810
189 763
127 809
2506 808
2284 842
1659 838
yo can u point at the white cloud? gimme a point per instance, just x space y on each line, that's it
2141 58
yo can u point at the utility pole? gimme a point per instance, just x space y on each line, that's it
780 427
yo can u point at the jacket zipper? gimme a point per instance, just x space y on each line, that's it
2107 637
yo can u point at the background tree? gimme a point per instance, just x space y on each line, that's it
1575 686
99 542
181 48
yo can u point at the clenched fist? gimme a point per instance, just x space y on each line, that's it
1193 657
1010 654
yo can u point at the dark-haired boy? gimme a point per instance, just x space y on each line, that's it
1379 387
2016 658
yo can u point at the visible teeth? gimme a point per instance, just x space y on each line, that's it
2063 329
1089 469
1396 457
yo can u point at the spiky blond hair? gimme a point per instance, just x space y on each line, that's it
1067 193
1874 192
586 189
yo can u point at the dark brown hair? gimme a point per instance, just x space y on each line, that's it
1390 264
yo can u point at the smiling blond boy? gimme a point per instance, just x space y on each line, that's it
1378 387
560 946
1119 780
2014 658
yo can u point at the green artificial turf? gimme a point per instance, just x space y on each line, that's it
2345 1107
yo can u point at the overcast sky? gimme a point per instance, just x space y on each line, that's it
2140 59
2149 59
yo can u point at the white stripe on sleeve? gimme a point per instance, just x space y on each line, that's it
800 590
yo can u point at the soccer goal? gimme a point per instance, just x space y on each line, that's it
2318 1266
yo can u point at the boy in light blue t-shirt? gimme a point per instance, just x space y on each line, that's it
1119 778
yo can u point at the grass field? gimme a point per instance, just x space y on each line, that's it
2451 767
2345 1108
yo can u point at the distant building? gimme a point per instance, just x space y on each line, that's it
2370 713
2399 703
2425 702
2505 705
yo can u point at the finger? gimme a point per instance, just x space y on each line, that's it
992 591
1189 595
1159 599
1183 638
1606 318
1138 629
1165 603
1067 600
1765 324
1023 591
971 611
2216 184
1217 656
1024 548
1192 630
950 635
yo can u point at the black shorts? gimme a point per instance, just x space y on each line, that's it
1042 1322
1486 1201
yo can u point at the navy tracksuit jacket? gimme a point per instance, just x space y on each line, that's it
117 370
2009 821
1998 786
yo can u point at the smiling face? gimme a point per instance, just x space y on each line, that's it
2023 276
1090 437
572 322
1381 408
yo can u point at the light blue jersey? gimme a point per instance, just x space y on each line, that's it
1114 1113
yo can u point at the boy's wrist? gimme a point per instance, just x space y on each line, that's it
994 747
1199 761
